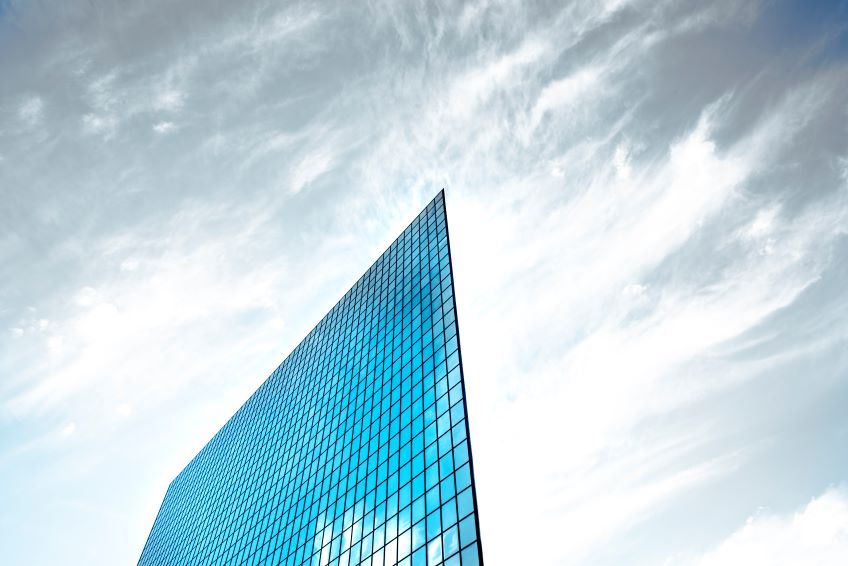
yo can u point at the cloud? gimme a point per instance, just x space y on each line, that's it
646 203
479 84
816 534
611 365
164 127
565 92
621 163
87 297
31 110
110 323
69 429
310 167
130 264
280 28
169 99
104 125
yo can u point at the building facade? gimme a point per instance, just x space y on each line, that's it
355 450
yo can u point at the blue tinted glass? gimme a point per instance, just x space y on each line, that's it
355 450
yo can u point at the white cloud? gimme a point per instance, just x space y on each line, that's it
163 127
310 167
478 85
568 92
102 124
31 110
105 100
634 290
55 345
282 27
471 14
129 264
169 99
609 235
843 169
123 410
123 318
68 429
103 93
763 224
87 297
583 382
273 143
816 535
621 162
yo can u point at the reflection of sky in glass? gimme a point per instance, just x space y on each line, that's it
355 449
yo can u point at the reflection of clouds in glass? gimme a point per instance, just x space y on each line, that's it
356 533
451 540
391 528
323 536
403 519
379 536
434 550
403 544
418 537
391 553
366 545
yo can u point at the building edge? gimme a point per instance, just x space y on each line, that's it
464 395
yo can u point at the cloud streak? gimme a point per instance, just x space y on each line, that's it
647 207
816 534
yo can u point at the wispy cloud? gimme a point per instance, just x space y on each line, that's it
647 207
564 93
31 110
164 127
816 534
312 166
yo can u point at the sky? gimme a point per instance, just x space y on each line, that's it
648 205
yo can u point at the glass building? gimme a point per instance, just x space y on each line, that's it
355 450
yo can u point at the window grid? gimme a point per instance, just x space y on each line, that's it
354 451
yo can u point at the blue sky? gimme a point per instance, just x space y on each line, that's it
648 206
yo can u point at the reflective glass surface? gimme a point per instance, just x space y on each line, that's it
355 450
